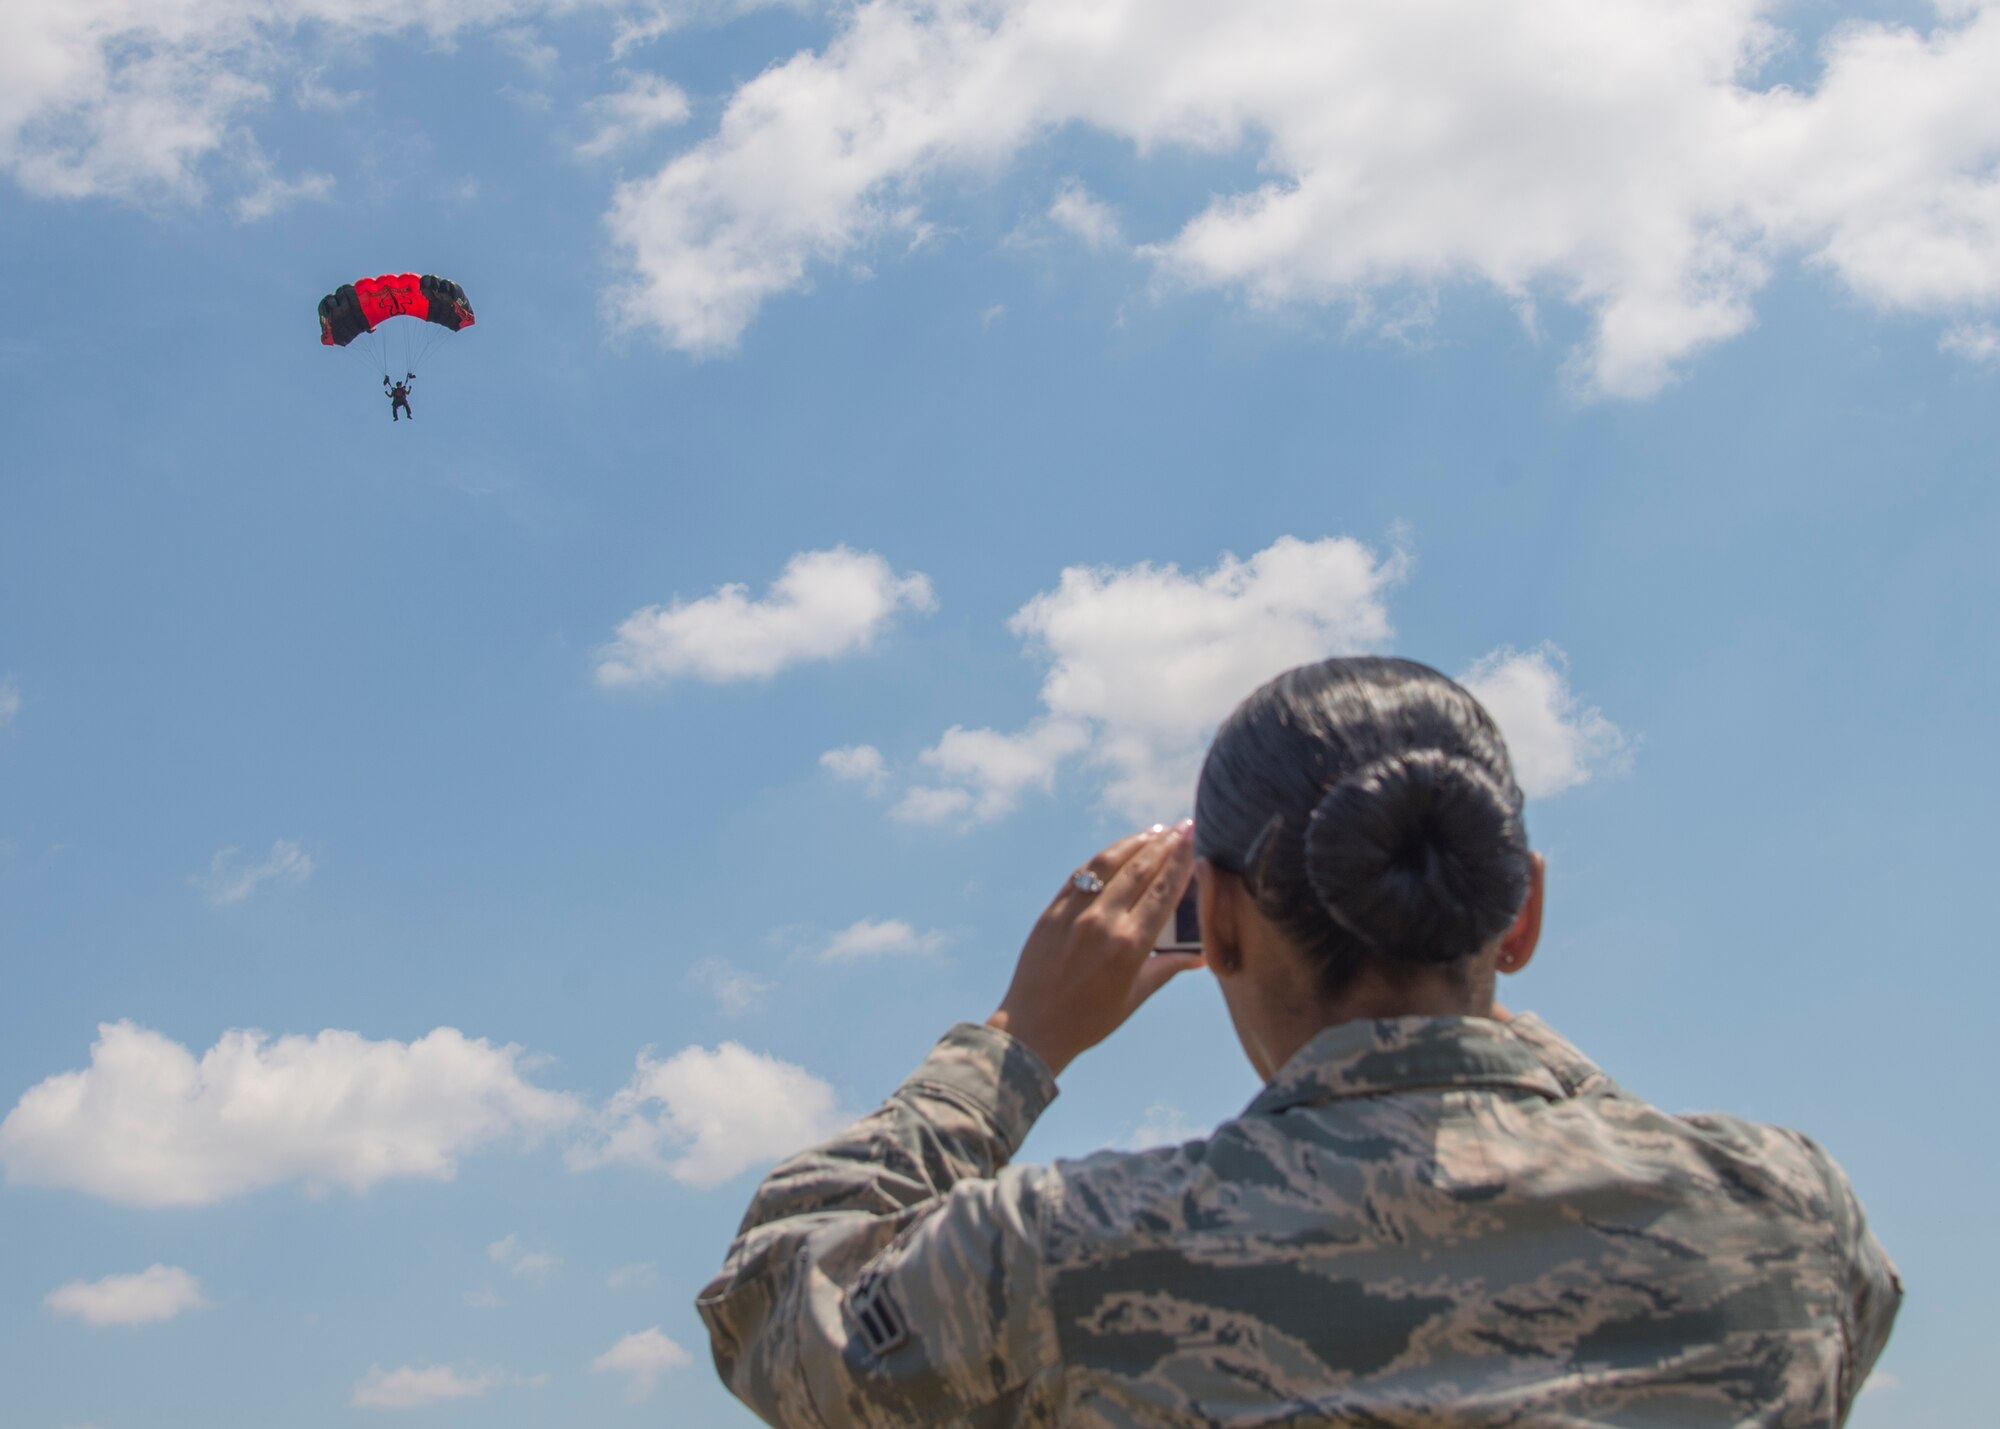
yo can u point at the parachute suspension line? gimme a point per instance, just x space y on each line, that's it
412 349
424 341
359 355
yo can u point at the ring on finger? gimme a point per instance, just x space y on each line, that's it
1084 881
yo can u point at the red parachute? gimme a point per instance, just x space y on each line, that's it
366 303
359 309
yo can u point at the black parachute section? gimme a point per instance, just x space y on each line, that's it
340 320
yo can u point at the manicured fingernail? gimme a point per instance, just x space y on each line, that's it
1184 830
1157 829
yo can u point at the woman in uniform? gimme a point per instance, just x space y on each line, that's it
1435 1212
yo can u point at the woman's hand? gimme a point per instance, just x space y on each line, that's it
1089 963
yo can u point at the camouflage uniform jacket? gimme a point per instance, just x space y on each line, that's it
1420 1221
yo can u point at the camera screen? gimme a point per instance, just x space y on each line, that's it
1183 931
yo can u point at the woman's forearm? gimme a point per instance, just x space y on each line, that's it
822 1216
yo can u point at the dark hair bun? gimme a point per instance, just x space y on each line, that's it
1419 855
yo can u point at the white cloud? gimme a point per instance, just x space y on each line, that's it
1143 661
857 763
508 1253
823 605
1076 210
312 92
273 193
535 101
484 1298
1162 1125
143 100
702 1116
525 44
231 878
645 104
1975 342
149 1124
1555 742
1625 157
642 1357
156 1293
10 701
735 991
409 1387
926 804
868 939
1152 659
639 1272
127 97
655 18
993 770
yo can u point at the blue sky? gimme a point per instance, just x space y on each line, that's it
442 863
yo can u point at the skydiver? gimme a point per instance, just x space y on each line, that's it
399 398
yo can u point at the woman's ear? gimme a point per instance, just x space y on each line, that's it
1517 944
1216 903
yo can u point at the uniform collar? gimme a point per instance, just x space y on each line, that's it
1373 1056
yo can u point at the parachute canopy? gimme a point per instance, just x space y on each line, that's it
361 306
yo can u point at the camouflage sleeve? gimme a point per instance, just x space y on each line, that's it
1874 1290
894 1275
1877 1295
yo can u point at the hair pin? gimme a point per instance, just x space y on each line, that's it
1253 857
